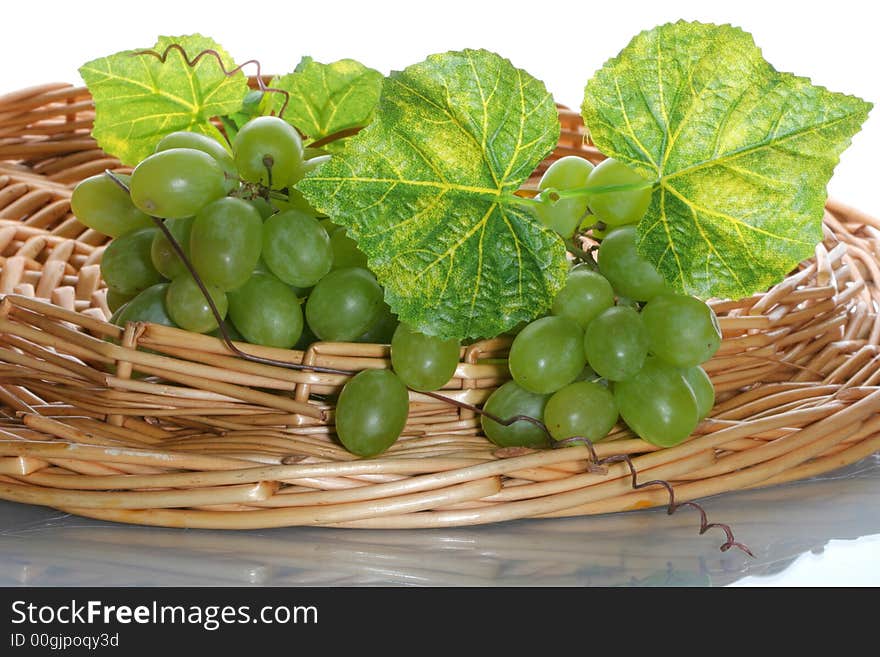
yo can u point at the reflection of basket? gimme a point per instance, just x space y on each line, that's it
200 438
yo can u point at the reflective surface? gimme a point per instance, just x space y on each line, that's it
820 532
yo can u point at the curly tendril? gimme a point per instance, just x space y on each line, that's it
261 84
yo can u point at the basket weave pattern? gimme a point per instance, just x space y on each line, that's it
161 426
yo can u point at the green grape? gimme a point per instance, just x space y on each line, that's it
682 330
658 404
547 354
269 151
564 215
507 402
148 306
295 201
345 250
382 329
616 343
262 206
583 409
617 208
206 144
371 412
296 248
177 183
266 312
701 385
126 265
344 304
104 206
423 362
629 273
162 254
231 331
306 339
225 242
188 307
115 300
585 295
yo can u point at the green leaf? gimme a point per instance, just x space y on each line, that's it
427 191
741 153
139 98
328 98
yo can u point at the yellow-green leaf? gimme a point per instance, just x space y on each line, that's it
328 98
427 191
741 153
139 98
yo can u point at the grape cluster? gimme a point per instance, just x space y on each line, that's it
617 343
277 274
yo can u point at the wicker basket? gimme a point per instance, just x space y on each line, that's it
184 434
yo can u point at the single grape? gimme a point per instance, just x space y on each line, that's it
658 404
564 215
423 362
269 151
162 254
701 385
382 329
104 206
295 201
148 306
630 274
583 409
225 242
231 331
115 300
126 265
586 294
262 206
266 312
617 208
345 250
344 304
371 412
682 330
306 339
616 343
177 183
296 248
507 402
188 307
547 354
204 143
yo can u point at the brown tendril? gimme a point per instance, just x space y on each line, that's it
163 56
705 525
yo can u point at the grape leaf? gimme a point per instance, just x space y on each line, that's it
741 153
139 98
427 191
328 98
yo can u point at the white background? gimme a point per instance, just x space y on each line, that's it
834 42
